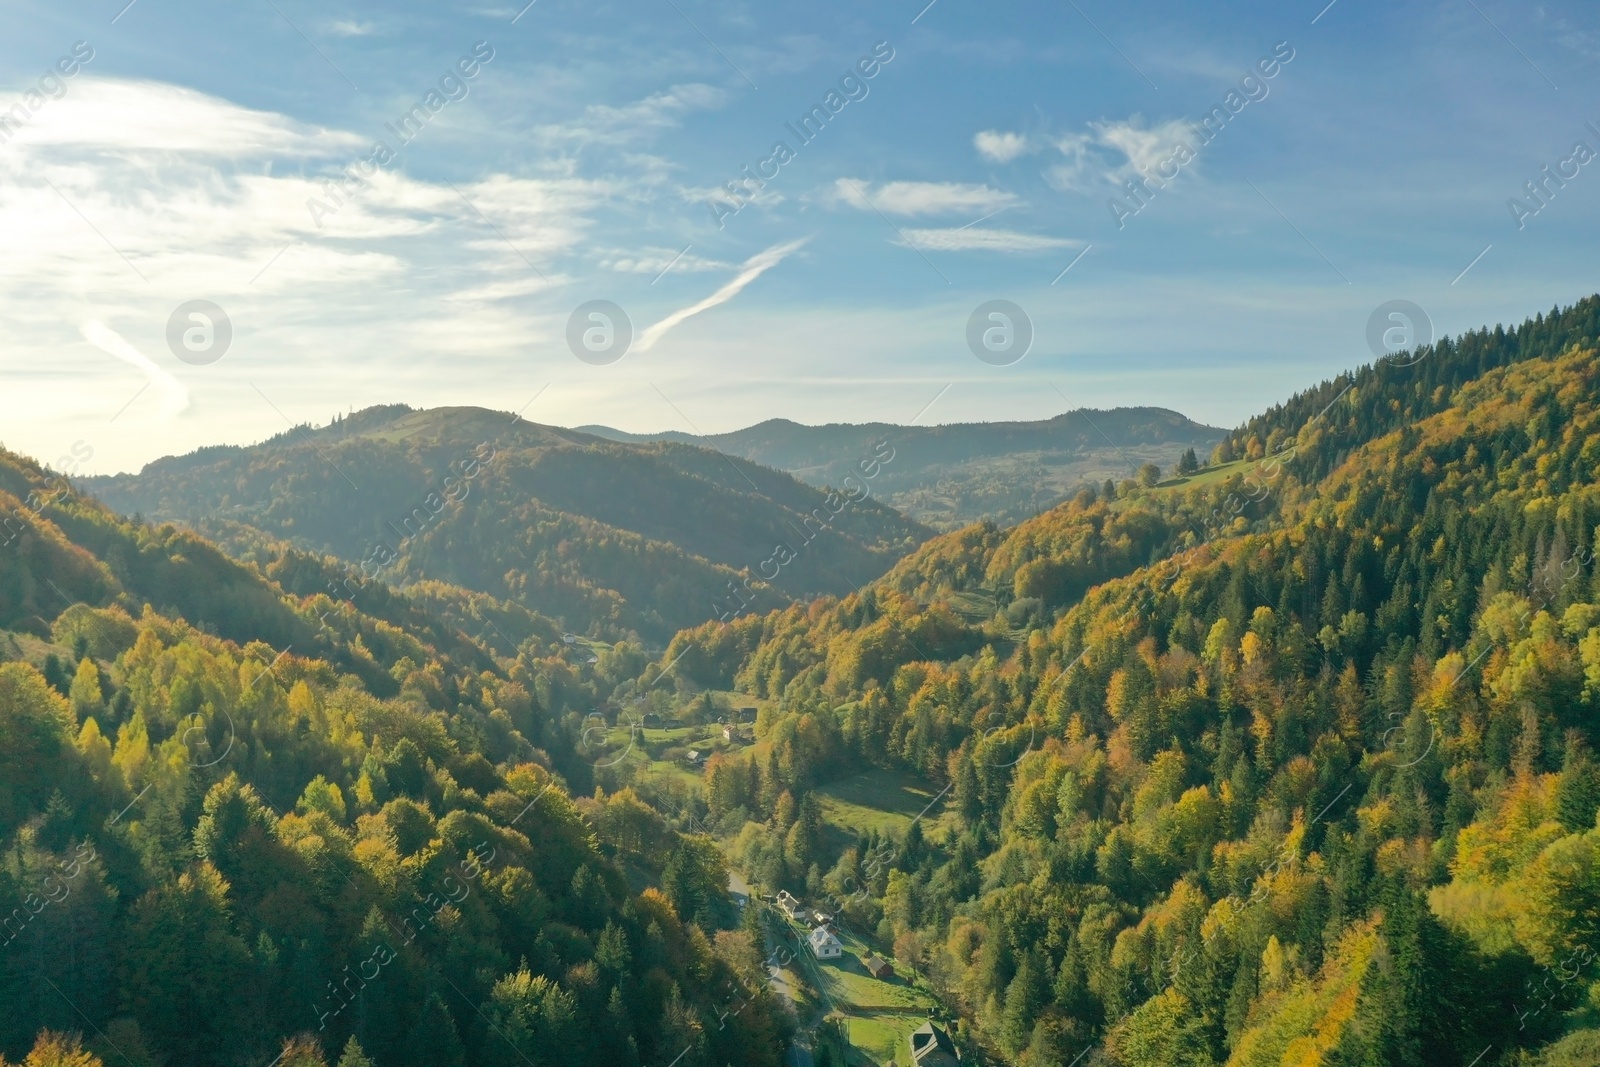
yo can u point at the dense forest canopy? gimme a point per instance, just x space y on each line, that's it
1289 761
308 831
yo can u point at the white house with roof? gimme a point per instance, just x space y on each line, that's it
789 904
824 945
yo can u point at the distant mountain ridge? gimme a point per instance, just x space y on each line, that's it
951 475
608 537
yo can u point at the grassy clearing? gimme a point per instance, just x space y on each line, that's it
974 606
637 754
736 699
879 1014
1209 475
669 769
23 646
880 800
653 742
880 1038
584 647
672 735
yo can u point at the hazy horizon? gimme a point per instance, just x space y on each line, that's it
413 204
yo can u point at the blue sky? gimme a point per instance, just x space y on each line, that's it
585 158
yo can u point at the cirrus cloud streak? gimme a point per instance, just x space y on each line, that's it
753 268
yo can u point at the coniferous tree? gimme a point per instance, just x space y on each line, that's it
1578 788
354 1056
434 1040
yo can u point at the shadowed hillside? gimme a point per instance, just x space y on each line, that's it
609 538
948 476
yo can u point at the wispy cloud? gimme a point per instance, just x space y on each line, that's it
974 239
174 397
1141 146
753 268
351 28
606 124
1077 164
513 288
1113 151
653 261
104 115
1000 147
209 200
921 198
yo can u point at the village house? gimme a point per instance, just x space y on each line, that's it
824 945
932 1047
879 967
789 904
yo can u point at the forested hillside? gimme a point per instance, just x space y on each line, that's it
952 475
1288 759
1288 762
244 822
610 539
